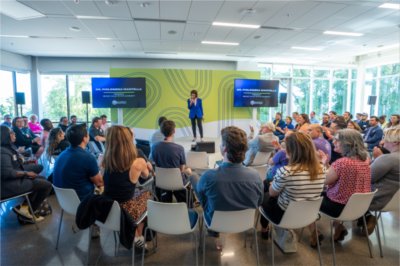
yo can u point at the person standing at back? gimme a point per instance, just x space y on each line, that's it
196 113
75 167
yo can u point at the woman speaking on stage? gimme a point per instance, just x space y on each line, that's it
196 113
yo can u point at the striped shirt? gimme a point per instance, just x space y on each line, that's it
296 186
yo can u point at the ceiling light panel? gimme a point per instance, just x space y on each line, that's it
235 25
343 33
390 6
220 43
307 48
19 11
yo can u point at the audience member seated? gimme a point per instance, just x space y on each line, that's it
363 123
104 125
385 173
383 122
122 169
394 121
373 135
157 135
34 125
278 160
313 119
301 180
56 143
346 176
347 116
289 123
336 125
47 125
18 178
260 143
321 144
279 126
7 121
28 139
76 168
73 120
302 123
63 123
295 116
332 116
96 133
231 186
325 121
167 154
354 125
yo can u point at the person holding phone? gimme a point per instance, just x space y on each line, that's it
196 114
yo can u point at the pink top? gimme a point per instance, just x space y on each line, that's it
354 176
35 127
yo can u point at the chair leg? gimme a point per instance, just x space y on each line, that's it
333 245
301 234
143 250
366 234
59 228
272 245
378 234
33 214
245 238
89 245
196 247
319 248
116 243
204 246
256 240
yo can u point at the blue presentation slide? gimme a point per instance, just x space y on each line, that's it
119 92
255 93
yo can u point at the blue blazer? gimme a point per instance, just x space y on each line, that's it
373 136
195 110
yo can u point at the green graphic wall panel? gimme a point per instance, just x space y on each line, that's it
167 91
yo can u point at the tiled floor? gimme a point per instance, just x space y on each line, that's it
24 245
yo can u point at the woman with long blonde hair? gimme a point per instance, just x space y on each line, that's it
302 179
122 169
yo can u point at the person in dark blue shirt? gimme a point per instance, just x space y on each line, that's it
232 186
373 134
76 168
279 126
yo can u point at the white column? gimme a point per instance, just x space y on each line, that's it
120 116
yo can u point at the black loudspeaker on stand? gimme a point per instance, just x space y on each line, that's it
371 102
282 100
20 100
86 100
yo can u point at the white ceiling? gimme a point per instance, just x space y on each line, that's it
138 31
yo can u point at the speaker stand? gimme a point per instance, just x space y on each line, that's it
87 114
20 110
282 110
371 110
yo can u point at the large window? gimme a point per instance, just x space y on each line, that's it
24 85
7 94
383 82
77 84
53 96
301 89
339 90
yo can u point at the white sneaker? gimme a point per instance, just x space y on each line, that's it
23 210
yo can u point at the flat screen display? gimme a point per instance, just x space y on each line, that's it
255 93
119 92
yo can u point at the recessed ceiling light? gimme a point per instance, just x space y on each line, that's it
14 36
144 4
390 5
307 48
75 28
104 39
342 33
220 43
172 32
92 17
237 25
18 11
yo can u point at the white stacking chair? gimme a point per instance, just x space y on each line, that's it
355 208
69 202
261 169
113 223
171 179
298 214
392 205
231 222
261 158
198 161
171 219
26 196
